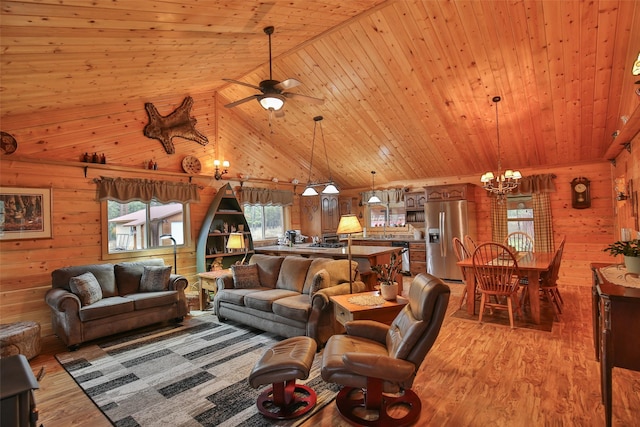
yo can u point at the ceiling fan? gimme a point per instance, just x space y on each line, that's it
272 96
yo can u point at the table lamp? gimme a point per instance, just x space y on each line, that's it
175 256
348 225
236 241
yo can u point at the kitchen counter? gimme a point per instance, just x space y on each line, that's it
373 255
382 241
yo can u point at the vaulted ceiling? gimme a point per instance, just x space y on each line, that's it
408 85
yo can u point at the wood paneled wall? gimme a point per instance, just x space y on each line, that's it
48 156
26 265
50 148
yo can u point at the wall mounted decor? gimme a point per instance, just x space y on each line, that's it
178 123
25 213
580 193
8 143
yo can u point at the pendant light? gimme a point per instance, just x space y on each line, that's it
373 198
502 183
330 187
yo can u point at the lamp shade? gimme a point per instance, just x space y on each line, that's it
349 224
374 199
236 241
309 191
330 189
269 102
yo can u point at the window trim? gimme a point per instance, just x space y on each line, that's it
141 253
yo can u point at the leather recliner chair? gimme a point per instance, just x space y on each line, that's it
377 363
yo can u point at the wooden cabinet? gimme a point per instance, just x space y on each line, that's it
616 321
417 257
223 217
450 192
414 207
330 213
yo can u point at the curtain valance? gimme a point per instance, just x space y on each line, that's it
265 196
130 189
536 184
392 195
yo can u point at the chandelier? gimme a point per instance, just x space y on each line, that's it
330 187
502 183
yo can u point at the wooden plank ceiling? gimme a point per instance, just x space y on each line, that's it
407 84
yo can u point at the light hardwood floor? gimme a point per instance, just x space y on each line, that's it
475 375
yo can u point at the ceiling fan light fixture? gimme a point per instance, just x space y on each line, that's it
271 102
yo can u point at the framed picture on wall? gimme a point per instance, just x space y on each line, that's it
25 213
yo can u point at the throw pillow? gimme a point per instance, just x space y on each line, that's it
86 287
155 278
245 276
321 280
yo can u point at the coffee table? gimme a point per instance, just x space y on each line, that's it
346 311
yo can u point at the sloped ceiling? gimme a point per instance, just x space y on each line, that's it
407 84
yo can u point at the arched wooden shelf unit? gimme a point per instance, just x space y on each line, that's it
212 241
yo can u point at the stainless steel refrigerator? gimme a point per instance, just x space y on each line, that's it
444 221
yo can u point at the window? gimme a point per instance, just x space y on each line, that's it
265 221
520 215
378 216
137 226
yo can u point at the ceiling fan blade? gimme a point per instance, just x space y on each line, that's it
287 84
305 98
242 83
241 101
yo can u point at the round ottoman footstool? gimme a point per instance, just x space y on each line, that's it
280 366
20 338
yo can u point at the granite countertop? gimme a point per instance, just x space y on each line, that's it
388 239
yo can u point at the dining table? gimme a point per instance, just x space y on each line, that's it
531 266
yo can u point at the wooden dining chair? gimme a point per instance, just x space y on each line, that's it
549 282
461 253
497 274
520 240
470 244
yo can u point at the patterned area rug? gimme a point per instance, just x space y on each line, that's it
188 374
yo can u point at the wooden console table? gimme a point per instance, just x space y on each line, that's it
616 322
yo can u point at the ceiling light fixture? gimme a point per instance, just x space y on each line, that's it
502 183
271 102
218 175
330 187
373 198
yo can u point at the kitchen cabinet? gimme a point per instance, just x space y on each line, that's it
348 205
223 217
329 213
417 257
450 192
414 207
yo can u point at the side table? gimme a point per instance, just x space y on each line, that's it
207 281
346 311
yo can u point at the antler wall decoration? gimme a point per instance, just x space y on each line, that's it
178 123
